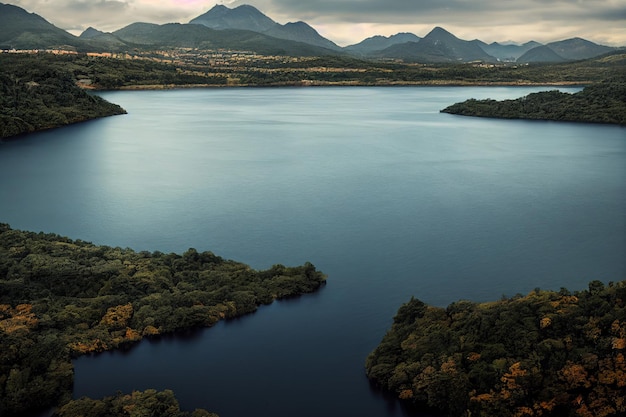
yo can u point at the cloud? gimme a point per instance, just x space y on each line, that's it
349 21
522 20
110 15
73 14
411 11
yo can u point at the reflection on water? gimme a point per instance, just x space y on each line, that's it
374 186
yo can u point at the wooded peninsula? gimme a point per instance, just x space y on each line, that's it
35 95
62 298
545 354
603 102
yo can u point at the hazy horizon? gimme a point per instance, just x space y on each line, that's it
347 22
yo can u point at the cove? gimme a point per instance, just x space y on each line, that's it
374 186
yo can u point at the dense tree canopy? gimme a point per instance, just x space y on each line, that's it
61 298
546 354
37 97
149 403
604 102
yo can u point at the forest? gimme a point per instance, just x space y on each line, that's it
603 102
38 97
61 298
549 353
150 403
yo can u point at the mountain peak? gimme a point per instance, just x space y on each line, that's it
15 22
298 23
301 32
91 32
247 7
378 43
10 12
244 17
438 46
218 9
542 53
402 37
438 32
578 48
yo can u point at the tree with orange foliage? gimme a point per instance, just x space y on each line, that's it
548 354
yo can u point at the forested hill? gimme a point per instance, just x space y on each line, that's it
546 354
604 102
60 298
35 97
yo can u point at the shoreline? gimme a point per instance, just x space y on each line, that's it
306 84
313 84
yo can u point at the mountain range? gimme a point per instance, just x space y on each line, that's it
438 46
247 17
246 28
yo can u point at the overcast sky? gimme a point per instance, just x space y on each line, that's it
349 21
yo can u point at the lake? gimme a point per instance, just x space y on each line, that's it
374 186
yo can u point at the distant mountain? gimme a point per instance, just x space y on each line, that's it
378 43
102 39
202 37
301 32
507 52
141 33
577 48
542 53
22 30
246 17
91 33
439 46
246 28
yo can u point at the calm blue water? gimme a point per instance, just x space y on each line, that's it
379 190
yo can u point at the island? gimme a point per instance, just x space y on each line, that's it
549 353
61 298
603 102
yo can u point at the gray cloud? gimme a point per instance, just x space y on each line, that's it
406 11
72 14
603 20
345 20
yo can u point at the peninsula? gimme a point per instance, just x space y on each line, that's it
604 102
37 96
61 298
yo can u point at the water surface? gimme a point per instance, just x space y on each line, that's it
379 190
